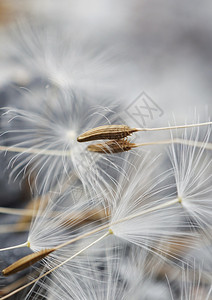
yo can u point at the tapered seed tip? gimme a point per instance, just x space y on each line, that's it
113 146
106 132
26 261
4 272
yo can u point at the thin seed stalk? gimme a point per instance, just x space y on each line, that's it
131 145
35 151
113 146
106 226
117 132
149 210
26 244
175 127
207 146
103 227
117 146
152 209
109 132
60 265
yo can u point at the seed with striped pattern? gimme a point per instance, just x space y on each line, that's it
114 146
26 261
109 132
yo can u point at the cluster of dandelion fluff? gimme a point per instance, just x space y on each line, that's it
109 223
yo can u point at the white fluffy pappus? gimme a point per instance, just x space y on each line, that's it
192 170
116 272
191 284
140 212
137 211
46 141
139 215
71 61
61 218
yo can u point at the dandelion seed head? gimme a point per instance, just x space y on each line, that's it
66 60
138 192
48 136
192 166
71 135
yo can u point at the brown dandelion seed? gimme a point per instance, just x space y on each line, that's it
110 132
114 146
26 262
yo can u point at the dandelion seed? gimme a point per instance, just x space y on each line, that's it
121 131
192 170
139 213
136 215
46 143
55 268
110 132
132 204
134 207
26 262
114 146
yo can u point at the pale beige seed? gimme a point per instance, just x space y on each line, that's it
26 261
114 146
109 132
